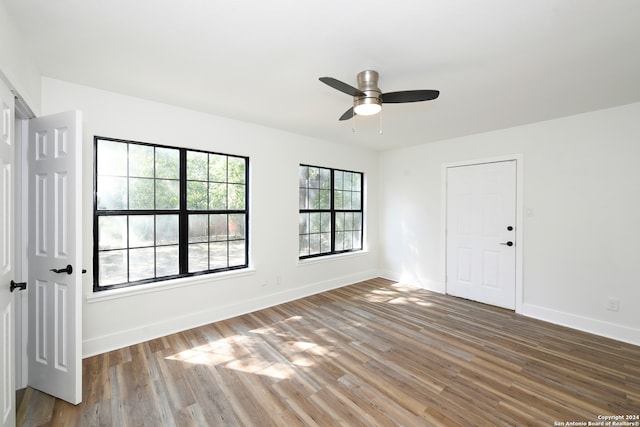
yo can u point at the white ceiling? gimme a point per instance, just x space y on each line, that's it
497 63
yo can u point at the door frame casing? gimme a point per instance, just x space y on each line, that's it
519 159
22 267
22 113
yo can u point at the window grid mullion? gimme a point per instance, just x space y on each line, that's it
155 229
332 212
183 224
128 249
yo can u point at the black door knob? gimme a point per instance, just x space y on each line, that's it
510 228
68 269
22 286
507 243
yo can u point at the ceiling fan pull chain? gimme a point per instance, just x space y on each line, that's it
380 132
353 123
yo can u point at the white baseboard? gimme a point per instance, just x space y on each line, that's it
581 323
141 333
429 285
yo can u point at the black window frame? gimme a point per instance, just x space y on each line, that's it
333 211
183 217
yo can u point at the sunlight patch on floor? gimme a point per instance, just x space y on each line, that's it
409 300
396 297
250 355
424 304
278 370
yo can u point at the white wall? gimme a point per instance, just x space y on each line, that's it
16 65
581 223
580 244
276 276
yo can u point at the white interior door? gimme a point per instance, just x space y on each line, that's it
481 215
55 242
7 254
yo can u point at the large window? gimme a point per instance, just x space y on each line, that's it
164 212
330 219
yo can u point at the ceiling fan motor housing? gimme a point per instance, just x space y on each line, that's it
368 84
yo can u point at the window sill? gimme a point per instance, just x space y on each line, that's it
165 285
329 258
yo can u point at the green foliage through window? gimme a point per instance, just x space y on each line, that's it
331 214
145 231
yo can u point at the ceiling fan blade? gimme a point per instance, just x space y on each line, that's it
409 96
342 87
347 114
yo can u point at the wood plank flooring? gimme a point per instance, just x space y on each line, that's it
375 353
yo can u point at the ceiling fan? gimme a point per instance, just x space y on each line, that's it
368 98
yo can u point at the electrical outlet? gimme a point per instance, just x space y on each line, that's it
613 304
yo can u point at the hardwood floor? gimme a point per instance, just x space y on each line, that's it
372 354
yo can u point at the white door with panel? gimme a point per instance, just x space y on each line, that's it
481 232
7 258
55 255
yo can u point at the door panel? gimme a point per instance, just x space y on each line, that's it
481 204
490 268
55 241
464 265
7 253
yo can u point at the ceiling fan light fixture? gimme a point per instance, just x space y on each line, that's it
367 106
368 98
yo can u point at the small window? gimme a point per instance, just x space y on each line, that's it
331 218
164 212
